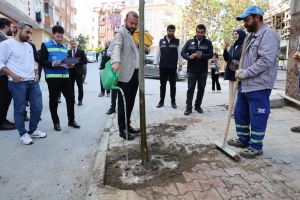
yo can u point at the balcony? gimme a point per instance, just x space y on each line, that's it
167 19
101 35
49 21
51 1
102 23
74 10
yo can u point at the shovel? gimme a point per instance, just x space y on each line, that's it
223 145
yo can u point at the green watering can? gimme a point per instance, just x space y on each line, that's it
109 78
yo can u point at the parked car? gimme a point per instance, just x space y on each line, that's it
91 56
150 72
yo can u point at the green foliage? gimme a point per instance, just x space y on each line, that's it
219 17
97 49
82 42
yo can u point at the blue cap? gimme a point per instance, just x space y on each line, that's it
250 10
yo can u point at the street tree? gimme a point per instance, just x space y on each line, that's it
207 12
232 9
82 42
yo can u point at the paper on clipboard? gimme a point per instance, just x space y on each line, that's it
70 61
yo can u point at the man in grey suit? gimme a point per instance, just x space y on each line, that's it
125 59
6 30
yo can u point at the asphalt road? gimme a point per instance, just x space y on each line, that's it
59 166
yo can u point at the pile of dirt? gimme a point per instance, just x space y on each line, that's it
165 129
164 166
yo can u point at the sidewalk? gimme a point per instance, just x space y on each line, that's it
275 175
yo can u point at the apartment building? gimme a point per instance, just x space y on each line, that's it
23 10
86 23
109 18
158 15
42 15
59 12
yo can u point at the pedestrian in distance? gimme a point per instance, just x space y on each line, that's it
214 65
6 31
57 76
76 72
258 75
234 53
104 60
125 59
197 51
168 55
17 61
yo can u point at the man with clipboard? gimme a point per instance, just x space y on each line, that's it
77 71
53 53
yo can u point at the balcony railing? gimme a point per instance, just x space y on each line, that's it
49 21
74 10
102 23
101 35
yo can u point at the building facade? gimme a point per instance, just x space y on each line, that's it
109 17
42 15
158 15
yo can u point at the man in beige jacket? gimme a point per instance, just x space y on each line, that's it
125 60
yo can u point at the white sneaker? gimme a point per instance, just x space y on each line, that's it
26 139
38 134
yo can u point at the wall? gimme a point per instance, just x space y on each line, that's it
292 88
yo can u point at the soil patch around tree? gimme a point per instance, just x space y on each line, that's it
165 165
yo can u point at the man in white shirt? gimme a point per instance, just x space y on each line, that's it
16 60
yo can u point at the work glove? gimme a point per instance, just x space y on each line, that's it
241 74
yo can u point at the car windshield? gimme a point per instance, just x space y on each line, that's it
150 59
90 54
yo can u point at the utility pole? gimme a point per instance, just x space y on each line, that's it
144 148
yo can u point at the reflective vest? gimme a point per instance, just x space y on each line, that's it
56 53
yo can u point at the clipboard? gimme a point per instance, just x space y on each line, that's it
72 61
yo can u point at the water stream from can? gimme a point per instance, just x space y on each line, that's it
126 123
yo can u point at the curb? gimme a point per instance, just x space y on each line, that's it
98 174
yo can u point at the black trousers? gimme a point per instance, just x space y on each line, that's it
114 95
5 98
130 90
215 80
74 76
55 86
193 78
165 74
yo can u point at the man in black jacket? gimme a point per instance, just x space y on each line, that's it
197 52
6 30
77 71
104 60
169 54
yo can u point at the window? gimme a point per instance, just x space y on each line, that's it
131 2
48 9
63 5
148 26
101 29
62 23
68 10
149 1
68 28
148 14
56 18
57 3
